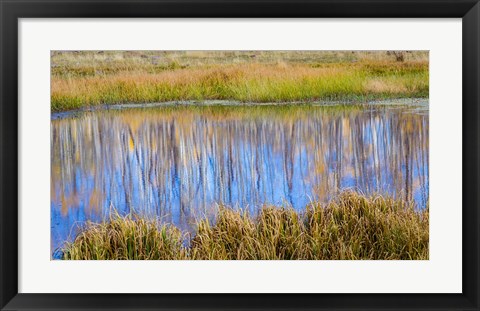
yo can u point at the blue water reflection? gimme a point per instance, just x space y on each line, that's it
177 163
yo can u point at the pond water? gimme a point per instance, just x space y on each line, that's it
179 162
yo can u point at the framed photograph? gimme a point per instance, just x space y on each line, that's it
225 155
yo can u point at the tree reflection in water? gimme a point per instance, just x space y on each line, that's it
178 162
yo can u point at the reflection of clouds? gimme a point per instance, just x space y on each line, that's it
176 163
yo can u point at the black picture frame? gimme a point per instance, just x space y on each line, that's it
11 11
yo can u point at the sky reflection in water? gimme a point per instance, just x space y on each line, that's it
178 162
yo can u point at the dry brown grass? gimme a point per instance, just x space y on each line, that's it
78 63
379 86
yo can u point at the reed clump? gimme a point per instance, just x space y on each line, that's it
126 238
352 226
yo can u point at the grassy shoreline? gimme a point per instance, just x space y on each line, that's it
86 79
351 226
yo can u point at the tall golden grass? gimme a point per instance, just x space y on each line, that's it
352 226
251 80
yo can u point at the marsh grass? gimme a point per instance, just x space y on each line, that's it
352 226
126 238
79 81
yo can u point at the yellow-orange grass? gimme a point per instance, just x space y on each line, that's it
246 82
352 226
183 77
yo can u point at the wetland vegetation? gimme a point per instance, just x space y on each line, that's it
86 79
295 163
350 227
